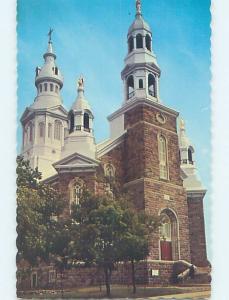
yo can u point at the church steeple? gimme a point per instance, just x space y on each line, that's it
80 119
48 80
141 72
192 182
186 148
80 115
138 8
45 121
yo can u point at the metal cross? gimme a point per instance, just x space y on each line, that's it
50 34
138 7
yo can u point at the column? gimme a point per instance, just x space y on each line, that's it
157 88
144 41
135 46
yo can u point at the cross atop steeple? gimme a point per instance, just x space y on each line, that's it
50 35
138 7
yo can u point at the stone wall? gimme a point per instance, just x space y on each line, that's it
142 144
157 200
117 157
197 231
148 191
147 272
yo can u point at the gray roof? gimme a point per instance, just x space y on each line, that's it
139 23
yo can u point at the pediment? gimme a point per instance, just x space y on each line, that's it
59 110
26 114
75 162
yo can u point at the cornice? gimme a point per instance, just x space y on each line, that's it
196 193
141 101
109 146
147 66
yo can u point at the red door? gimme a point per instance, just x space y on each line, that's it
166 250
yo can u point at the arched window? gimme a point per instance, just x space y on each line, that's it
50 130
139 41
163 165
40 88
30 132
41 129
46 87
130 87
57 130
86 121
25 136
65 132
169 242
56 71
56 89
76 190
109 171
151 85
165 228
51 87
140 83
72 121
148 42
130 44
190 159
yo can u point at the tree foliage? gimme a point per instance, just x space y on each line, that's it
108 230
134 243
102 229
38 208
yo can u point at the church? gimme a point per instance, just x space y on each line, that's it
148 152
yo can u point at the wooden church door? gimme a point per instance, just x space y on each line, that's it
166 250
166 239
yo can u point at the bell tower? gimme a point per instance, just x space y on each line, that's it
44 122
141 72
80 137
149 129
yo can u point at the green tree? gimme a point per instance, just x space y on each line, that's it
26 176
107 230
38 209
134 242
98 224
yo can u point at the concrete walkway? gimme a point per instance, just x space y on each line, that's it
188 296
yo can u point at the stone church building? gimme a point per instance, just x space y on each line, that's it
148 152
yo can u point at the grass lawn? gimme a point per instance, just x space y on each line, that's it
117 291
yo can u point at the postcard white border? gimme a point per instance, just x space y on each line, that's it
220 144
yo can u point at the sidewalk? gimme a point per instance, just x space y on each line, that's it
196 295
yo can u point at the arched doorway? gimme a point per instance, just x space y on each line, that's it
169 242
86 122
151 85
130 87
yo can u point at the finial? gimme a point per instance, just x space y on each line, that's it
50 34
80 83
182 124
138 7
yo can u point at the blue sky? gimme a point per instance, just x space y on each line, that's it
90 39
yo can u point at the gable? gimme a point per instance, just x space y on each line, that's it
58 110
76 163
26 114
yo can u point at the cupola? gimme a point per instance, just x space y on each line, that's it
48 80
80 119
141 72
80 115
186 148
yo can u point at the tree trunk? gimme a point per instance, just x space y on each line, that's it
61 282
133 277
107 281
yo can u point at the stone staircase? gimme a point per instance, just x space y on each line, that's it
202 275
188 274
